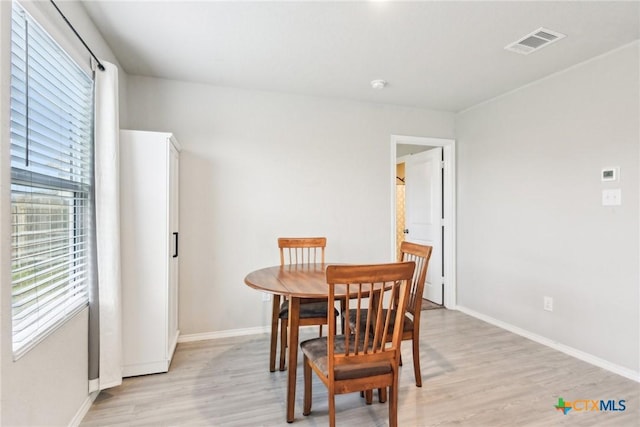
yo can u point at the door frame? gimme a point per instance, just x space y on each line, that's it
449 203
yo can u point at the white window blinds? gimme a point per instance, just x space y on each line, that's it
51 176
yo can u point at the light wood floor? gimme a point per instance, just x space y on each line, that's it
474 374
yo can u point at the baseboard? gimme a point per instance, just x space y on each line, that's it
82 411
578 354
224 334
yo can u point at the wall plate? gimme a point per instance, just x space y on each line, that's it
611 197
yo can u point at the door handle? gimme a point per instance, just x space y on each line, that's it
175 236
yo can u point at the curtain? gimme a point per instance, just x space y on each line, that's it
105 323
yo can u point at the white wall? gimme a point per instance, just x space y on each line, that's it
48 385
258 165
530 219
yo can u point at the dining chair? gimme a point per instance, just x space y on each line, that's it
297 250
361 358
420 254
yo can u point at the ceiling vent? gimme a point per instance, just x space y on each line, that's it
534 41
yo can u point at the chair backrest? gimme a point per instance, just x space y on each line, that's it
370 287
420 254
302 250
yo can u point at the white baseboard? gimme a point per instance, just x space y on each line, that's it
82 411
224 334
578 354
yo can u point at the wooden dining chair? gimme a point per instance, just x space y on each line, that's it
420 254
361 358
297 250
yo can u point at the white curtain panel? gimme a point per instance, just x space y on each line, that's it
107 209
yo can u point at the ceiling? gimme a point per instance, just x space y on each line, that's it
443 55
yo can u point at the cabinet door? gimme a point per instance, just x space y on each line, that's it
174 170
144 242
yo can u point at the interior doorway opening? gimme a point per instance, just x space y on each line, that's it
437 228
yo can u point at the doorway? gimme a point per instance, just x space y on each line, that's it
428 163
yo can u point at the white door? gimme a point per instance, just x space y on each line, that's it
174 223
423 192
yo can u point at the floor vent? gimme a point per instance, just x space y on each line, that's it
534 41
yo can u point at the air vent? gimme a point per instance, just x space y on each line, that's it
536 40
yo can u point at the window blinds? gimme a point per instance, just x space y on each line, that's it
51 176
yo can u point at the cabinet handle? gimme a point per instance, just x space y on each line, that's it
175 234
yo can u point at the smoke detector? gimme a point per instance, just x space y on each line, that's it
536 40
378 84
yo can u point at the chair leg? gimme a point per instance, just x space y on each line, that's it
320 330
393 402
274 332
283 343
368 394
400 362
416 362
332 409
307 387
382 395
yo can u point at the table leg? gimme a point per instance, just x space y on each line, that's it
294 323
275 310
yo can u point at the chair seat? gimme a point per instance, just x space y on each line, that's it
406 327
307 310
316 351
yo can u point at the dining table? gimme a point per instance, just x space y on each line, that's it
295 282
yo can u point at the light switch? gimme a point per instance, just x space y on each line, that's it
612 197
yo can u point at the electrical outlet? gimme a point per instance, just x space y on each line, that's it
266 297
548 304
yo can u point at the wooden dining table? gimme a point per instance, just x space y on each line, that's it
296 282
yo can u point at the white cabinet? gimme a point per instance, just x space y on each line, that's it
149 238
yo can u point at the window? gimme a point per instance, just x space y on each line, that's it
51 183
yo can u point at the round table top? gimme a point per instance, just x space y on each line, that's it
295 280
